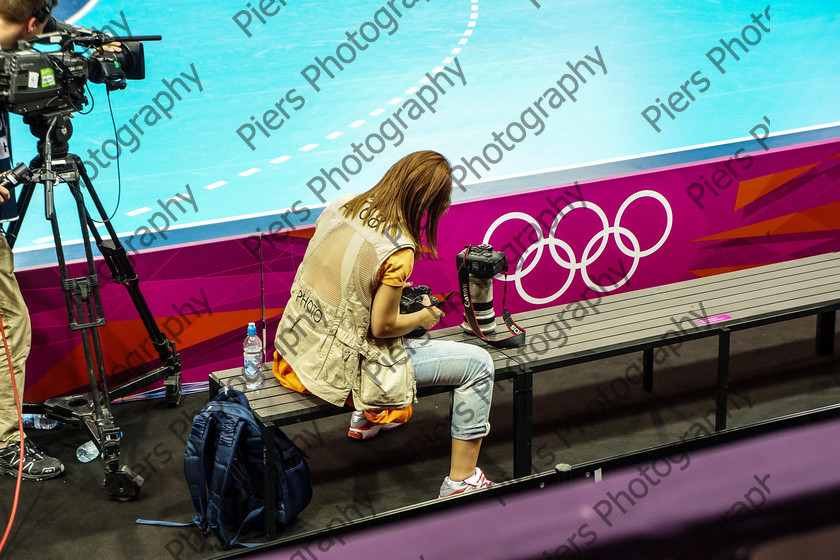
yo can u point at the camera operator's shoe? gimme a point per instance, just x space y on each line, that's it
451 488
36 465
362 428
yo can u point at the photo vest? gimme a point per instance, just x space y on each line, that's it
324 334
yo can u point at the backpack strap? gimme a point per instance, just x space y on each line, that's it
249 518
228 393
162 523
194 458
230 433
281 459
237 419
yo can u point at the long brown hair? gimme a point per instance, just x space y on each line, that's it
413 194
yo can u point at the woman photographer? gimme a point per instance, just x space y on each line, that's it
340 336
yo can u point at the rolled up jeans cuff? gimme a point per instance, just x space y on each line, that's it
470 432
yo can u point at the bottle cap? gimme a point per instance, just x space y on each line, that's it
252 328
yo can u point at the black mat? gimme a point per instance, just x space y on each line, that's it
581 413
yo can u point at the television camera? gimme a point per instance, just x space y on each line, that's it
46 85
37 81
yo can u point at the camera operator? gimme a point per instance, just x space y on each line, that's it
23 19
341 334
19 19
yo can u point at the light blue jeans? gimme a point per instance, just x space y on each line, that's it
467 367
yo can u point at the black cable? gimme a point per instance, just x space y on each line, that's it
119 149
92 101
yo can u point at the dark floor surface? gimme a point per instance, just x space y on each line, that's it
581 413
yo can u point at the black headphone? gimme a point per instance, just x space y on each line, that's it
43 13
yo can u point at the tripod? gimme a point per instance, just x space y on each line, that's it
55 165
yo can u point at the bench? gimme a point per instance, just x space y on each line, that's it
646 319
637 321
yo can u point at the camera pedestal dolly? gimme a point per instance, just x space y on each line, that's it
53 166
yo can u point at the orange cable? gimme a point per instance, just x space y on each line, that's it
20 427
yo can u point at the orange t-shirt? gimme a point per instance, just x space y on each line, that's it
393 272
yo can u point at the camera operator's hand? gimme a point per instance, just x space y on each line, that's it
4 194
111 48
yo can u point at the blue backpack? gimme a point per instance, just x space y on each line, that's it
223 464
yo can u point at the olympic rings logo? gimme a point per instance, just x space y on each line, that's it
594 248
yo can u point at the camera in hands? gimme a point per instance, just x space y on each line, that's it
411 301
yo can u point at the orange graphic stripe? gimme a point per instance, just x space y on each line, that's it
821 218
753 189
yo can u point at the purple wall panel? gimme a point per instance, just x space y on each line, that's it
564 242
201 296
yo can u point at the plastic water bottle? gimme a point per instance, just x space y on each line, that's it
252 352
87 452
39 421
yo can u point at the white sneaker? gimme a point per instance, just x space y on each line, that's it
451 488
362 428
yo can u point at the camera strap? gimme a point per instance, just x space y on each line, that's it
517 337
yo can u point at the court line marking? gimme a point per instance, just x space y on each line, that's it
83 12
656 153
376 112
43 240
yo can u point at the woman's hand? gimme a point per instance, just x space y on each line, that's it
386 320
431 315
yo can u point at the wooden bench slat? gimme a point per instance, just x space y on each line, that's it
737 307
655 296
609 339
275 403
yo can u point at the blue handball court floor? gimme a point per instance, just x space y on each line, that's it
249 109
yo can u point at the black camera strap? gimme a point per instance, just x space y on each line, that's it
517 337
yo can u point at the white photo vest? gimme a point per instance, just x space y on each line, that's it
324 334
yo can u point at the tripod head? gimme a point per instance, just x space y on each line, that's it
53 131
53 163
55 127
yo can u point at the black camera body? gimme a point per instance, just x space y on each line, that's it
482 261
412 298
33 82
412 301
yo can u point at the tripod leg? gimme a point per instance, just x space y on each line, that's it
86 314
123 273
82 299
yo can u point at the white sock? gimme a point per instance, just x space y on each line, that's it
468 480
